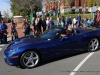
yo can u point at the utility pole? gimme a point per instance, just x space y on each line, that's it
58 11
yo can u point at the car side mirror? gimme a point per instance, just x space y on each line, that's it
64 38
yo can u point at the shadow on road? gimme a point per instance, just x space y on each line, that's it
62 57
56 59
59 58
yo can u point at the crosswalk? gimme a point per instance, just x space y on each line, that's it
9 38
1 47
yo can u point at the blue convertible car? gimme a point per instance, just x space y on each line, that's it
29 51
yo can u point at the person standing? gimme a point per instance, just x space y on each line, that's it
70 21
38 24
58 21
1 34
33 26
95 17
67 22
85 23
51 23
63 21
3 29
25 28
14 33
78 18
43 23
90 22
47 22
74 22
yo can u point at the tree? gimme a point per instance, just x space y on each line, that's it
98 3
25 6
91 3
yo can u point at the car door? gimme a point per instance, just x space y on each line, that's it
78 42
69 45
61 46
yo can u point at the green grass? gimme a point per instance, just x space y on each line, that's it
74 15
84 16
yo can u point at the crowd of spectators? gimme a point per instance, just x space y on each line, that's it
40 24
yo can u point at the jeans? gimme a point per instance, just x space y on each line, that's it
14 36
78 23
4 39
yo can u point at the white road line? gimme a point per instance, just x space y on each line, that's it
2 45
0 49
81 63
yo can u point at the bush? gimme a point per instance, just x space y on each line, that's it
73 11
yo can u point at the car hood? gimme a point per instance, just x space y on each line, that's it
26 40
31 40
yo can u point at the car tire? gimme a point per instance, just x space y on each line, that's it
93 45
30 59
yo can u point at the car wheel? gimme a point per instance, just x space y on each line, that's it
93 45
30 59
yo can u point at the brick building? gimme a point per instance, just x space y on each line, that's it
51 6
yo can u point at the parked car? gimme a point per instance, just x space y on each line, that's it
29 51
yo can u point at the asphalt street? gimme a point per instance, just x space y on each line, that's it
85 63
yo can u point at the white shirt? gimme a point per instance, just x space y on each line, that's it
74 20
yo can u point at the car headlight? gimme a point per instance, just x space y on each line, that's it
12 50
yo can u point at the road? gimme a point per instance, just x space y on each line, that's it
85 63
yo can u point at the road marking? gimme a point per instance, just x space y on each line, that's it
2 45
0 49
81 63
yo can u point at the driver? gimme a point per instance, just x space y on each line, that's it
68 32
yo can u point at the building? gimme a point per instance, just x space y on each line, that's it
64 6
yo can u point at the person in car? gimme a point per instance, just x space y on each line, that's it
68 32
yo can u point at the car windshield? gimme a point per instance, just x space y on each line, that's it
51 34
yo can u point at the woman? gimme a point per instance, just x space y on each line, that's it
51 23
59 21
25 28
33 26
47 22
43 24
74 22
13 31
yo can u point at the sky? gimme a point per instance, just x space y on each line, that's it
5 6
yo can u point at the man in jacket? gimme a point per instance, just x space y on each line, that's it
78 18
3 29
